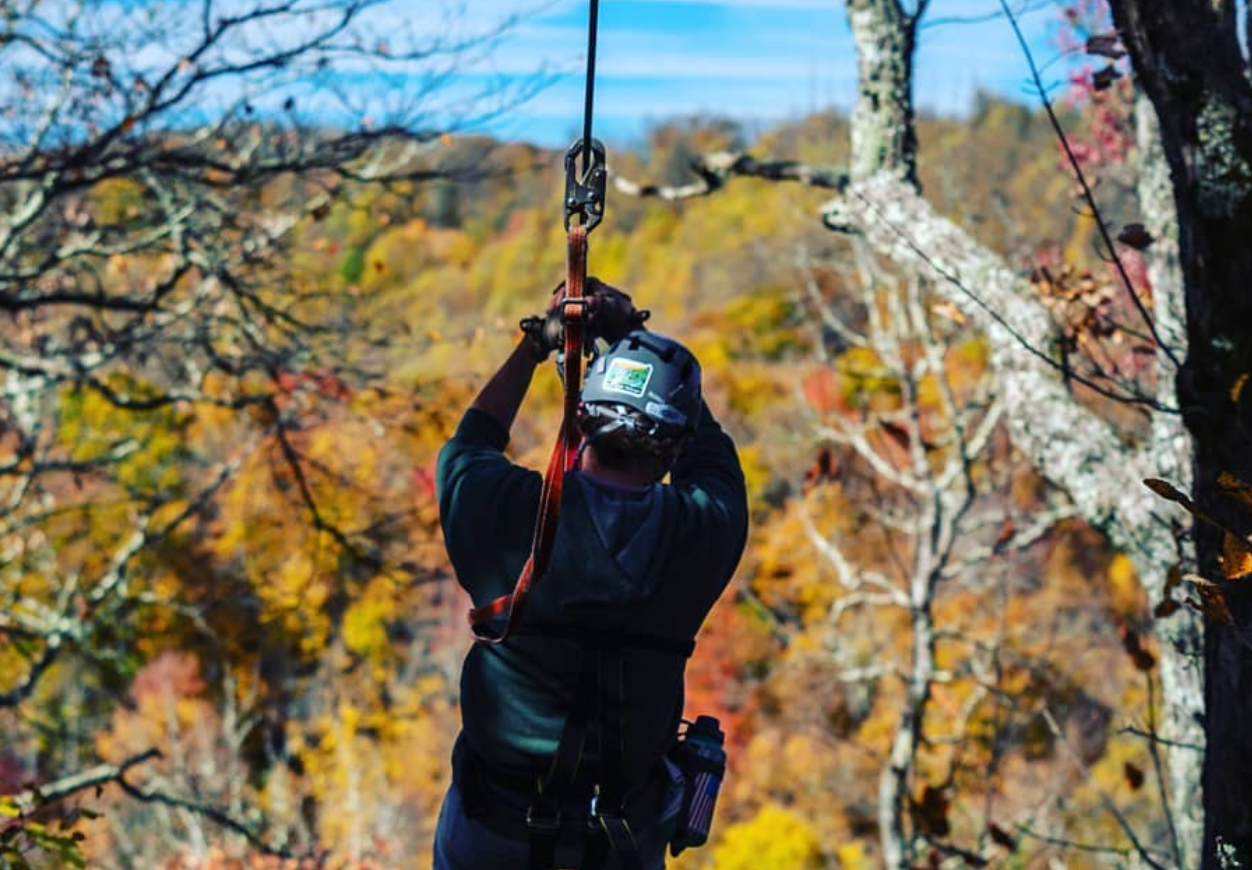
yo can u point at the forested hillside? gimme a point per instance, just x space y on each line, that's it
287 632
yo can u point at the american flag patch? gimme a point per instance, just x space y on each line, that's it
704 797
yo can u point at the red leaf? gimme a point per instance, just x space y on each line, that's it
1007 531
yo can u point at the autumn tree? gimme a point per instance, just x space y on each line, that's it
1059 404
166 354
909 436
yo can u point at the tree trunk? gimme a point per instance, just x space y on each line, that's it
895 781
1187 56
1181 635
884 138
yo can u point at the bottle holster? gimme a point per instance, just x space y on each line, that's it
703 773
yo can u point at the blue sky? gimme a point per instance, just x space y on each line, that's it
754 60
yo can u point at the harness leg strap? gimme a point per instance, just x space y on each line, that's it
543 819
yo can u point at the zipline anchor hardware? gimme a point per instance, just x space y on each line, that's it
584 193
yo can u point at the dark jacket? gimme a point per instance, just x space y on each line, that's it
650 561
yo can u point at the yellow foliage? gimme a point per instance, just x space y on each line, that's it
118 200
373 657
852 856
756 473
1125 593
775 838
865 378
364 627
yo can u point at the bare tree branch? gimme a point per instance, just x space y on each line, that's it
33 799
715 170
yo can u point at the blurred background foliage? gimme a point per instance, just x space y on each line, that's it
304 680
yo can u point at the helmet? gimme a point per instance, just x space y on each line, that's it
653 376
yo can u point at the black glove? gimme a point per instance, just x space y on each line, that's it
610 315
546 333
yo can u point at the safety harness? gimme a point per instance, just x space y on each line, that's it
582 797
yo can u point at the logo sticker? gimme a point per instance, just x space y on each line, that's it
627 376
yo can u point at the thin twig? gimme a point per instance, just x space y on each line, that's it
211 813
1109 806
1071 844
1087 193
1159 768
1156 738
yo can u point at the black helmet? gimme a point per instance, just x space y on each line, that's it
651 375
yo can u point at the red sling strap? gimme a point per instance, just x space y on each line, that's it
564 453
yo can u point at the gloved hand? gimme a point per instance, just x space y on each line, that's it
611 315
546 333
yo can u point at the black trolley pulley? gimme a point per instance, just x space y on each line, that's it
585 190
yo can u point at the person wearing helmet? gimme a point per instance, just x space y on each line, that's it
568 726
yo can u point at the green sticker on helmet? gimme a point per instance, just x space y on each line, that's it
627 376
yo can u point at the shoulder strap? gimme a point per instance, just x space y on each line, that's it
564 453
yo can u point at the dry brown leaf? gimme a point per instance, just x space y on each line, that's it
930 812
950 311
1211 601
1134 235
1168 607
1142 659
1001 837
1235 488
1174 577
1106 45
1007 531
1167 490
1134 776
1236 557
1236 389
1102 80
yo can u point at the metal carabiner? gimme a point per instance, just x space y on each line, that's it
584 193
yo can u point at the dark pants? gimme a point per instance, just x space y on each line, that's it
463 844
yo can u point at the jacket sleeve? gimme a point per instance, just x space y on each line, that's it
486 507
713 496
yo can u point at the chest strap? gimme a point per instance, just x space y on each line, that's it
600 639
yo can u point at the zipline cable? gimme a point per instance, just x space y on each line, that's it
590 92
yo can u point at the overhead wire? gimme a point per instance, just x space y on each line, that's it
589 93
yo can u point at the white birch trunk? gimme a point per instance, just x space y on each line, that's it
1067 442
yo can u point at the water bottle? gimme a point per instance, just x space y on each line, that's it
703 762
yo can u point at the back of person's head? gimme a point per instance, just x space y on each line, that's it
641 400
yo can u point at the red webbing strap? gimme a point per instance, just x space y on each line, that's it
563 453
